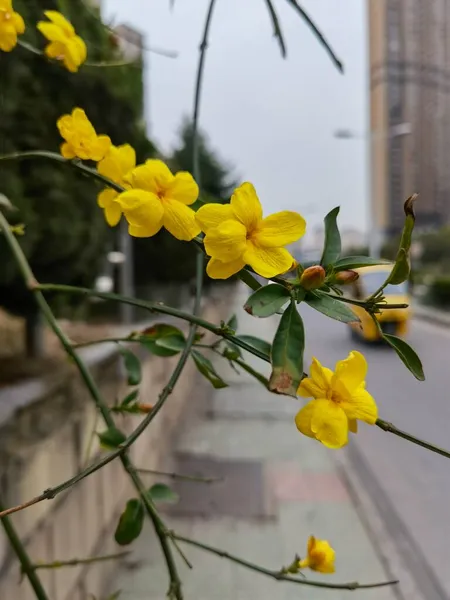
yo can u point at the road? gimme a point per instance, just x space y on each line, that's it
409 485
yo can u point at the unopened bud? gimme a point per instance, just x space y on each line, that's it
144 408
313 277
345 277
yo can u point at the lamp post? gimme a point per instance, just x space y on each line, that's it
375 236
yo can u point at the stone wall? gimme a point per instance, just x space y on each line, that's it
45 433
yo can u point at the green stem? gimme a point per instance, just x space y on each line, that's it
365 304
198 90
390 428
152 307
199 479
57 564
277 574
24 559
101 407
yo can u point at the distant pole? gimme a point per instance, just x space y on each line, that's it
126 279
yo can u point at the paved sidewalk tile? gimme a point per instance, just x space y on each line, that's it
245 422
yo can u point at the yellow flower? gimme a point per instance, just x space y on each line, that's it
81 138
119 161
11 25
340 398
320 556
65 44
159 199
237 235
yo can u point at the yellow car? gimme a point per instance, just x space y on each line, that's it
393 321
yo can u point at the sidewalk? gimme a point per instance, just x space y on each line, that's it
279 487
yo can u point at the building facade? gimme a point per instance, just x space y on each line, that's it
409 54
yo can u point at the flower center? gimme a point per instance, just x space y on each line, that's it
7 16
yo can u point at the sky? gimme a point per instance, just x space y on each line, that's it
270 119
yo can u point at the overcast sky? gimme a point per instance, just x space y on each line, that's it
272 119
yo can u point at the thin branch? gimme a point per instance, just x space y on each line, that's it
277 32
58 564
319 35
365 304
390 428
277 575
197 478
24 559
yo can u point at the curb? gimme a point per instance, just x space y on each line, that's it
436 316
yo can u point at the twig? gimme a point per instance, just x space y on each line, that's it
390 428
182 477
57 564
24 559
279 576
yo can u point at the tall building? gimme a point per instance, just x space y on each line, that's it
409 53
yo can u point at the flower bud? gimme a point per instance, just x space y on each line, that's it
345 277
313 277
144 408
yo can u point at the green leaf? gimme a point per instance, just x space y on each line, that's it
232 323
131 397
276 27
331 308
332 245
402 266
163 340
160 492
257 343
130 523
132 366
258 376
287 353
267 300
407 355
355 262
111 438
206 368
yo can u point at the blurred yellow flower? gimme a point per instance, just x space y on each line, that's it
119 161
320 556
159 199
65 44
340 398
81 138
237 235
11 25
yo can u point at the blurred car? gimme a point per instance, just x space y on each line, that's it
393 321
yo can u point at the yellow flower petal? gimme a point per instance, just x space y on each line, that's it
246 206
267 262
304 417
113 212
117 163
18 22
360 405
329 423
353 425
100 147
8 37
351 372
60 21
143 210
280 229
226 242
212 215
217 269
52 32
179 220
55 50
183 188
321 557
106 197
67 151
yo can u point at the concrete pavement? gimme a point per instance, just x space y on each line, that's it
279 487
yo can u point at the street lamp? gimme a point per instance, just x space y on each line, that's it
374 234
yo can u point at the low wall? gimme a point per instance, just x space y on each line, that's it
45 430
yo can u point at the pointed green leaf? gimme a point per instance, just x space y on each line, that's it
407 355
331 307
257 343
111 438
287 353
132 366
402 266
163 340
131 397
251 371
355 262
204 365
130 523
233 323
267 300
332 245
160 492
